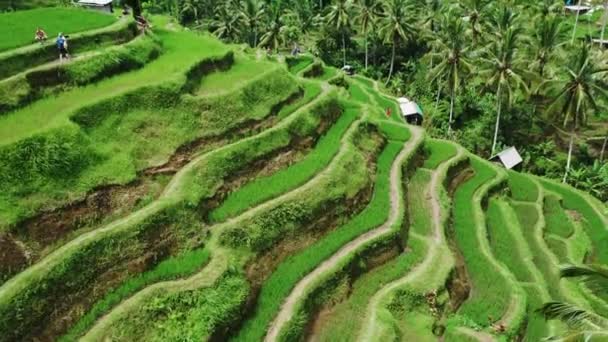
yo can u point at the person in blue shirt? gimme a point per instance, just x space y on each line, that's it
62 46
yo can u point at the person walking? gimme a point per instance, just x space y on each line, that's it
62 46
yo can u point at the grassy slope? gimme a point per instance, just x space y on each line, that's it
491 294
18 28
244 68
343 322
262 189
290 271
179 56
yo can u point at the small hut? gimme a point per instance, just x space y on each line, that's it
510 158
100 5
411 111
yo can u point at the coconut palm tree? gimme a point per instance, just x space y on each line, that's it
451 50
577 93
367 14
475 11
191 6
339 16
135 6
503 71
272 37
227 23
396 26
584 324
604 22
252 12
547 37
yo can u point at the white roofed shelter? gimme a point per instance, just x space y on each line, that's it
509 158
101 5
410 111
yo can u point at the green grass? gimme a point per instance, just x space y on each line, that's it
397 131
345 321
504 244
420 218
522 187
262 189
527 215
300 64
439 152
290 271
18 28
244 69
593 223
311 91
357 93
328 73
186 315
537 328
182 50
557 221
172 268
559 249
491 294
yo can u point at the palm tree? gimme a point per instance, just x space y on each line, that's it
191 6
547 37
252 12
339 16
475 10
576 93
135 6
451 51
502 19
503 72
271 38
575 23
227 23
604 21
366 18
396 25
584 324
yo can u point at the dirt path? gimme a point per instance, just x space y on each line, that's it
288 307
21 281
434 243
478 335
211 272
207 277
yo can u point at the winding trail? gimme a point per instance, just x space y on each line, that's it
436 246
220 257
288 308
15 286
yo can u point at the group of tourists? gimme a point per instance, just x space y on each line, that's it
61 42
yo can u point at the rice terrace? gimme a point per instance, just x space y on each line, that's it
289 170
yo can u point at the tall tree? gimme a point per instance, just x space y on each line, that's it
252 12
476 11
272 37
451 50
227 23
547 37
367 11
135 6
339 16
577 93
396 25
503 71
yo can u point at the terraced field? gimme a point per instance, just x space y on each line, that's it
168 187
